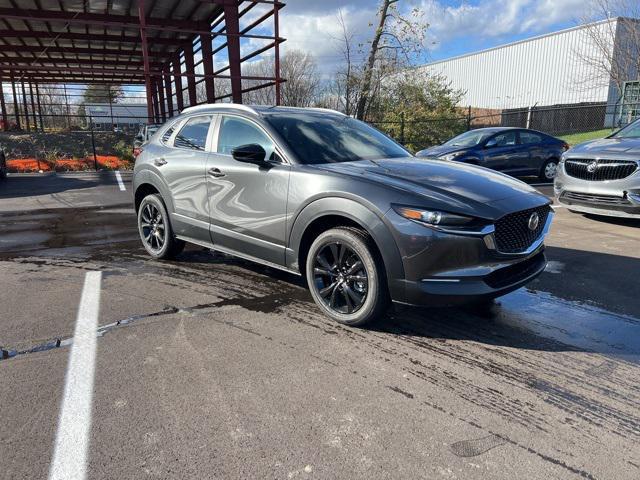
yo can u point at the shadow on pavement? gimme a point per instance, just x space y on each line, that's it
28 186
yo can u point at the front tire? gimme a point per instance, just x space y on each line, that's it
548 170
155 229
346 277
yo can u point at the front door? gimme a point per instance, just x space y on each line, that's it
503 152
183 167
247 202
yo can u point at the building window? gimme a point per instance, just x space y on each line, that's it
630 103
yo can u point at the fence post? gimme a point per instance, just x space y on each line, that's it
469 118
402 128
93 145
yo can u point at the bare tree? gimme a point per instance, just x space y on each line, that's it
613 47
396 39
300 71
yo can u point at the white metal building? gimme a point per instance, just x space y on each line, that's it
105 115
545 70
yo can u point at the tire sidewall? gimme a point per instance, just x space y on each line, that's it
357 243
156 201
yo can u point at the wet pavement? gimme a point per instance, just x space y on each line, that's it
212 367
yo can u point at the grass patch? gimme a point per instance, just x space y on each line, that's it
575 138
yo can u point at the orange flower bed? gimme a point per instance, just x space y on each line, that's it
110 162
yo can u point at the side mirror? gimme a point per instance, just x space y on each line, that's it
251 153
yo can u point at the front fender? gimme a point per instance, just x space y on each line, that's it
363 216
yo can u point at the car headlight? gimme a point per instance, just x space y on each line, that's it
451 156
443 220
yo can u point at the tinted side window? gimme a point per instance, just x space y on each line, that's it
235 132
167 135
194 133
506 139
528 138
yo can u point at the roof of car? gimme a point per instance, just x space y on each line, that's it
255 109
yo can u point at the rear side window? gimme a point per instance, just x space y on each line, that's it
235 132
193 134
507 139
528 138
167 135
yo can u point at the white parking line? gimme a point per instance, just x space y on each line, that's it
74 424
120 182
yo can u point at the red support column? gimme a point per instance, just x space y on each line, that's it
145 59
169 94
3 108
177 79
276 34
39 107
33 107
16 109
163 109
154 99
207 65
232 22
26 109
190 69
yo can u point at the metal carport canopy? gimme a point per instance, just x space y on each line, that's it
150 42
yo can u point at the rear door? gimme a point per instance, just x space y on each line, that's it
183 166
247 202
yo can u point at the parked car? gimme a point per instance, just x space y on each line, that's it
3 164
144 134
516 151
318 194
602 176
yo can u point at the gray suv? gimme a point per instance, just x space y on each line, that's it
321 195
602 177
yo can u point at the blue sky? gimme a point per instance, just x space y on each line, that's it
456 26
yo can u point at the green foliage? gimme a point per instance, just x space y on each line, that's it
124 150
97 93
575 138
419 111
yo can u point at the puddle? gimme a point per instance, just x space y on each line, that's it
573 323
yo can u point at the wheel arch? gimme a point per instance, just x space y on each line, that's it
146 183
329 212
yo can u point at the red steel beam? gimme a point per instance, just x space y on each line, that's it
177 80
168 93
145 58
26 110
276 33
16 110
84 37
163 109
207 65
232 23
189 73
74 61
3 108
79 51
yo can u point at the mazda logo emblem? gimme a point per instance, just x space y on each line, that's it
534 221
592 166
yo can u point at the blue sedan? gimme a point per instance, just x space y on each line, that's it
516 151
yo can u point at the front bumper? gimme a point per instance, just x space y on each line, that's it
447 269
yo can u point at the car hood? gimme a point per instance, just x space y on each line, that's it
439 150
610 146
456 185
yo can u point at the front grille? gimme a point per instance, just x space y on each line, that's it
599 170
513 234
591 198
513 274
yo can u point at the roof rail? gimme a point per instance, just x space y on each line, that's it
215 106
328 110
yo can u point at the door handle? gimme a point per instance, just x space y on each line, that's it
158 162
215 172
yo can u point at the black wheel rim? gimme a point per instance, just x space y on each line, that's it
340 278
153 227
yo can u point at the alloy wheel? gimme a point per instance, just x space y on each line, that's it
340 278
153 227
550 170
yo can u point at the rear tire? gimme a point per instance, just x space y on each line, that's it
548 170
155 230
346 277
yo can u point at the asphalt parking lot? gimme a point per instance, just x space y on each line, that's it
211 367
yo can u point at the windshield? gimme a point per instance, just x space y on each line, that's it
330 138
630 131
469 139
